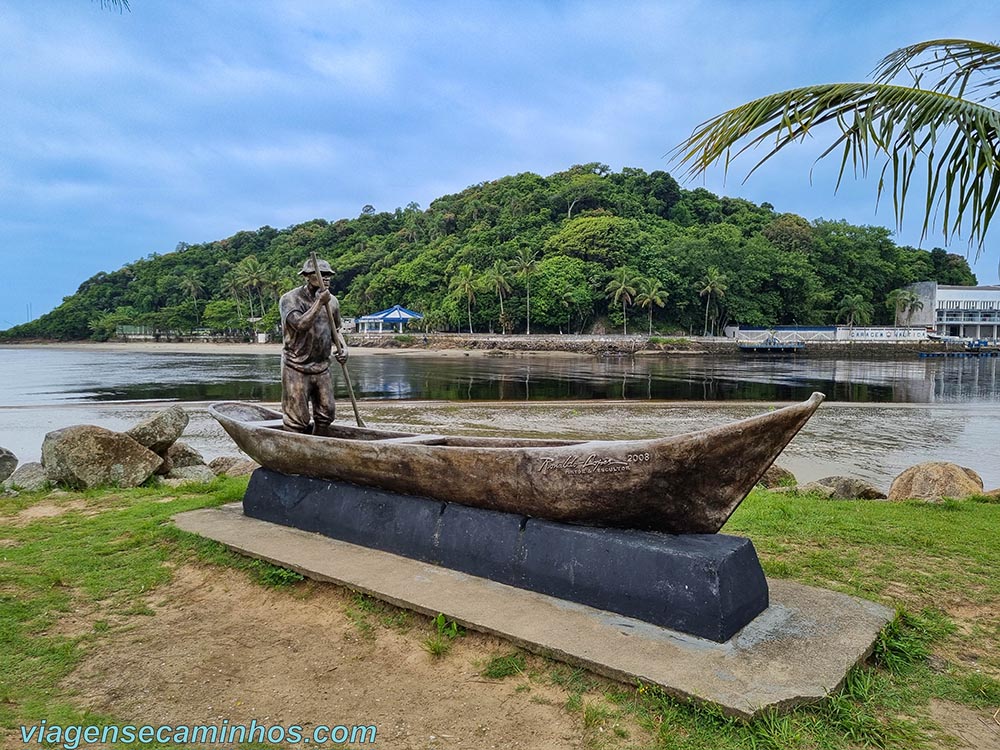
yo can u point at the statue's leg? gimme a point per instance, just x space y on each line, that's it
323 406
295 400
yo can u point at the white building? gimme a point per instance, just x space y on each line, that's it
966 311
831 334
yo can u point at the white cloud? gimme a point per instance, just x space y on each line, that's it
367 71
129 133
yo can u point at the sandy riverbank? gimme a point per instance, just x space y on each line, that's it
485 344
190 347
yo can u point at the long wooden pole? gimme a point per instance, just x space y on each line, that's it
333 332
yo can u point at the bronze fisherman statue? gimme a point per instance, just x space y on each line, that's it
310 326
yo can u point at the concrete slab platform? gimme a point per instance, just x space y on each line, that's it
798 650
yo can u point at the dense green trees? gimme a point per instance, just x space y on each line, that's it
854 308
533 253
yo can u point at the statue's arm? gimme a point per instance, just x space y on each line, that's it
340 343
303 321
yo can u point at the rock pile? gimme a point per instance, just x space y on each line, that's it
8 463
233 466
30 477
161 430
777 476
932 481
845 488
86 456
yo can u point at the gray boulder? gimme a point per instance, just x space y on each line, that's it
181 454
777 476
29 477
159 431
189 475
165 467
934 481
86 456
814 488
849 488
233 466
8 462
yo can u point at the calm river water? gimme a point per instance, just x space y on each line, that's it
881 415
50 375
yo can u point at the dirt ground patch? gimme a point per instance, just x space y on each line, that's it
976 730
221 647
45 509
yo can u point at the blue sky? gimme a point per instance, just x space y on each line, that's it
122 135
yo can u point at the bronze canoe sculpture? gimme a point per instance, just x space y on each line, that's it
684 484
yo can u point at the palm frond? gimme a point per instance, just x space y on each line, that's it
119 5
965 68
958 141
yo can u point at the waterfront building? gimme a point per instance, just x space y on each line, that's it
829 334
966 311
384 320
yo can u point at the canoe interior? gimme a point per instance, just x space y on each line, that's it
682 484
254 416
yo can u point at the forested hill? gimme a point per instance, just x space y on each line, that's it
587 245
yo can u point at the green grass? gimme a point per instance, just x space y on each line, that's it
445 632
921 557
504 665
936 564
104 557
436 646
369 614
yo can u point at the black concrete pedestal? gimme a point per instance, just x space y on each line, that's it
708 585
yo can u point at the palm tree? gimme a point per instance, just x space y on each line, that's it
713 284
899 300
463 284
651 292
567 299
855 309
231 286
916 304
938 125
190 284
525 263
254 277
622 288
434 320
496 278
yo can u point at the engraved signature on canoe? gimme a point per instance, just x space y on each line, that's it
595 463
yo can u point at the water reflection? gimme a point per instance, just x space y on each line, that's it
50 375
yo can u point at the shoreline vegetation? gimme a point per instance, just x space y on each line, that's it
91 578
489 344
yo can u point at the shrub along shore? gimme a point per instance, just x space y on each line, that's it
641 345
584 344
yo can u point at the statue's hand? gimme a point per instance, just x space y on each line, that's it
324 297
341 356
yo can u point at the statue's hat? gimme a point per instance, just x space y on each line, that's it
307 267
